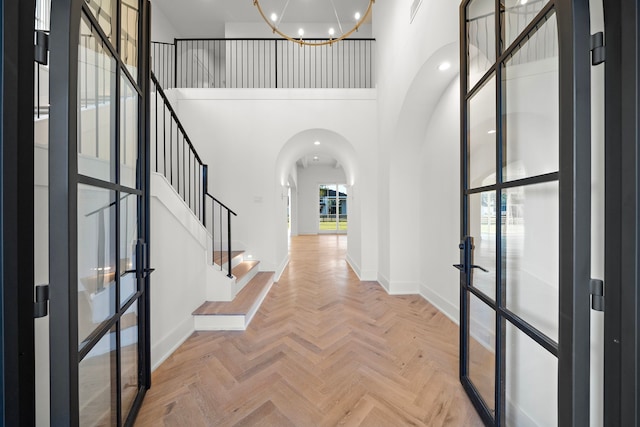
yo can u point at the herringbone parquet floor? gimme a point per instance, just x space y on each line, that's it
325 349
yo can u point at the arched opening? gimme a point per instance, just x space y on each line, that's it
317 170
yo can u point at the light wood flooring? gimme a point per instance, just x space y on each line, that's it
323 350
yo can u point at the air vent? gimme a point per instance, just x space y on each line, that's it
414 9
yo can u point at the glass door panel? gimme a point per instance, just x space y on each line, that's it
129 332
96 115
128 244
96 259
482 227
530 255
105 13
481 45
517 15
333 207
129 35
512 308
531 382
482 358
96 379
129 165
530 106
105 186
342 208
482 136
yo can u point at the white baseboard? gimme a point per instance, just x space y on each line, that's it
257 305
355 267
384 281
403 288
170 343
444 306
281 268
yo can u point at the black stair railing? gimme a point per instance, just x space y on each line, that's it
220 219
177 159
265 63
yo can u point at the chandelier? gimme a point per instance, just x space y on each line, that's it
274 20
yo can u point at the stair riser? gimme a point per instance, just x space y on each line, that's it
246 279
220 323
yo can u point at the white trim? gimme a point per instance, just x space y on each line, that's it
440 303
384 282
280 269
404 288
258 303
160 190
164 347
355 267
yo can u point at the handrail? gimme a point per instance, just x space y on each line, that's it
221 204
196 180
229 212
174 116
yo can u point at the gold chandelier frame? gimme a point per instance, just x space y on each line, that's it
303 42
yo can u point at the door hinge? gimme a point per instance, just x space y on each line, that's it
597 295
41 306
598 53
42 47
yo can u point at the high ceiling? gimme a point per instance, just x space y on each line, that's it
206 17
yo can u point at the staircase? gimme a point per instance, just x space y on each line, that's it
235 286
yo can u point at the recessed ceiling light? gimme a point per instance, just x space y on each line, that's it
357 16
523 1
274 17
316 158
301 32
316 143
491 132
444 66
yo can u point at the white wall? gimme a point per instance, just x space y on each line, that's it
162 30
308 181
242 135
409 86
179 255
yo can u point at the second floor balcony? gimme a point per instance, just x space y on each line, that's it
263 63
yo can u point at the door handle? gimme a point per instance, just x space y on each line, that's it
461 267
479 268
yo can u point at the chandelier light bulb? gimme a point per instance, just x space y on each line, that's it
273 20
444 66
316 143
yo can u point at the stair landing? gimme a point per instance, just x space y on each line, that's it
237 314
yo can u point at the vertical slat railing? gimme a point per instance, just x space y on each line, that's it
266 63
179 162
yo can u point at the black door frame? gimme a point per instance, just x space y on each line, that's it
574 178
63 156
622 228
17 361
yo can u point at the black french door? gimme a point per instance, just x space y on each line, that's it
99 211
525 199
